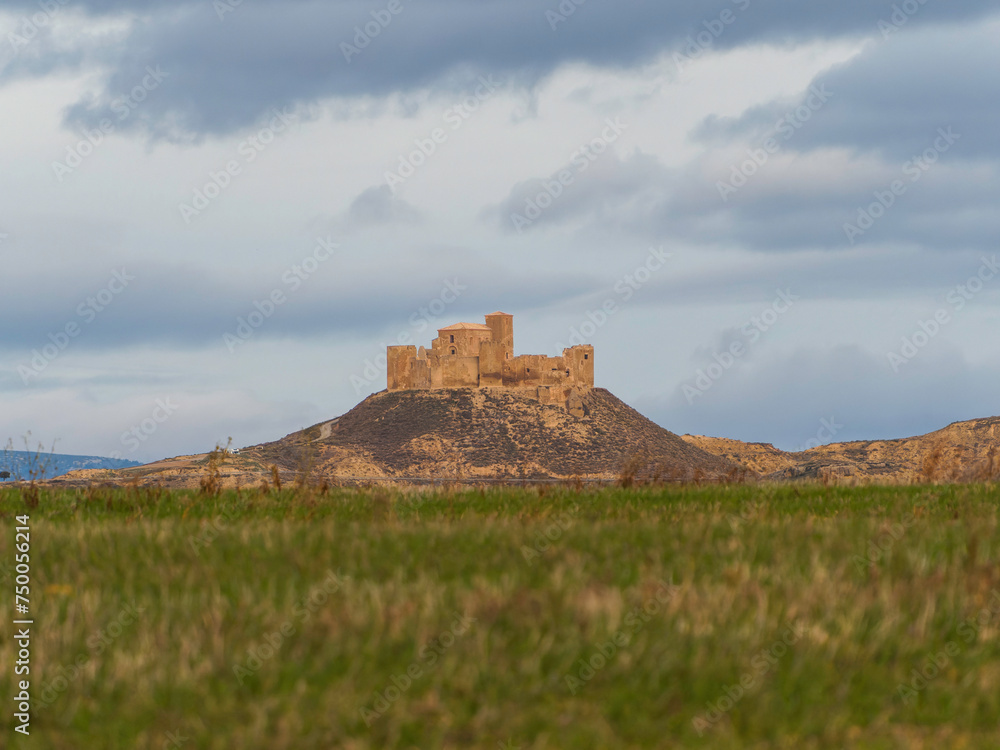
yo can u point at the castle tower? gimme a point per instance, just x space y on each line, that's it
580 365
399 367
501 326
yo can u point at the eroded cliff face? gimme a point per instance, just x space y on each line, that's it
962 451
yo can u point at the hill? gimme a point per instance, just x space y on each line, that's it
461 434
962 451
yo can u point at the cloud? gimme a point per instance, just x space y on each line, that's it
591 187
894 114
227 73
378 207
894 97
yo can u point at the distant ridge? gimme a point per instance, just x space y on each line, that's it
962 451
40 465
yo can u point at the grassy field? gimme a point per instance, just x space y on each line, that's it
715 617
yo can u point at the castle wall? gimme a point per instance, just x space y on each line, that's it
484 358
399 361
464 342
492 355
437 374
420 374
459 372
532 370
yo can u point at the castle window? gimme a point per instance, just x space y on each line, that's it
453 348
527 369
452 340
567 373
586 356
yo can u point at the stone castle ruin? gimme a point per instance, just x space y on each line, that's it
473 355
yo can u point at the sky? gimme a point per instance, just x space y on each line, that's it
775 221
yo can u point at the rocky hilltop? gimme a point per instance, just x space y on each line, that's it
962 451
459 434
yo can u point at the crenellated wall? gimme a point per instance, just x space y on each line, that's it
473 355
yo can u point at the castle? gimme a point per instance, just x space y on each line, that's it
473 355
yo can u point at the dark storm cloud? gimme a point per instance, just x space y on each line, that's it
226 73
919 111
948 205
945 209
895 96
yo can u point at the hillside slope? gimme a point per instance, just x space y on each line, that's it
962 451
456 434
492 433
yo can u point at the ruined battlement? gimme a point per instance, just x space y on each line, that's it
474 355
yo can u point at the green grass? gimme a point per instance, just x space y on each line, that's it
687 591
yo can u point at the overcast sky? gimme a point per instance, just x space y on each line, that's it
776 221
